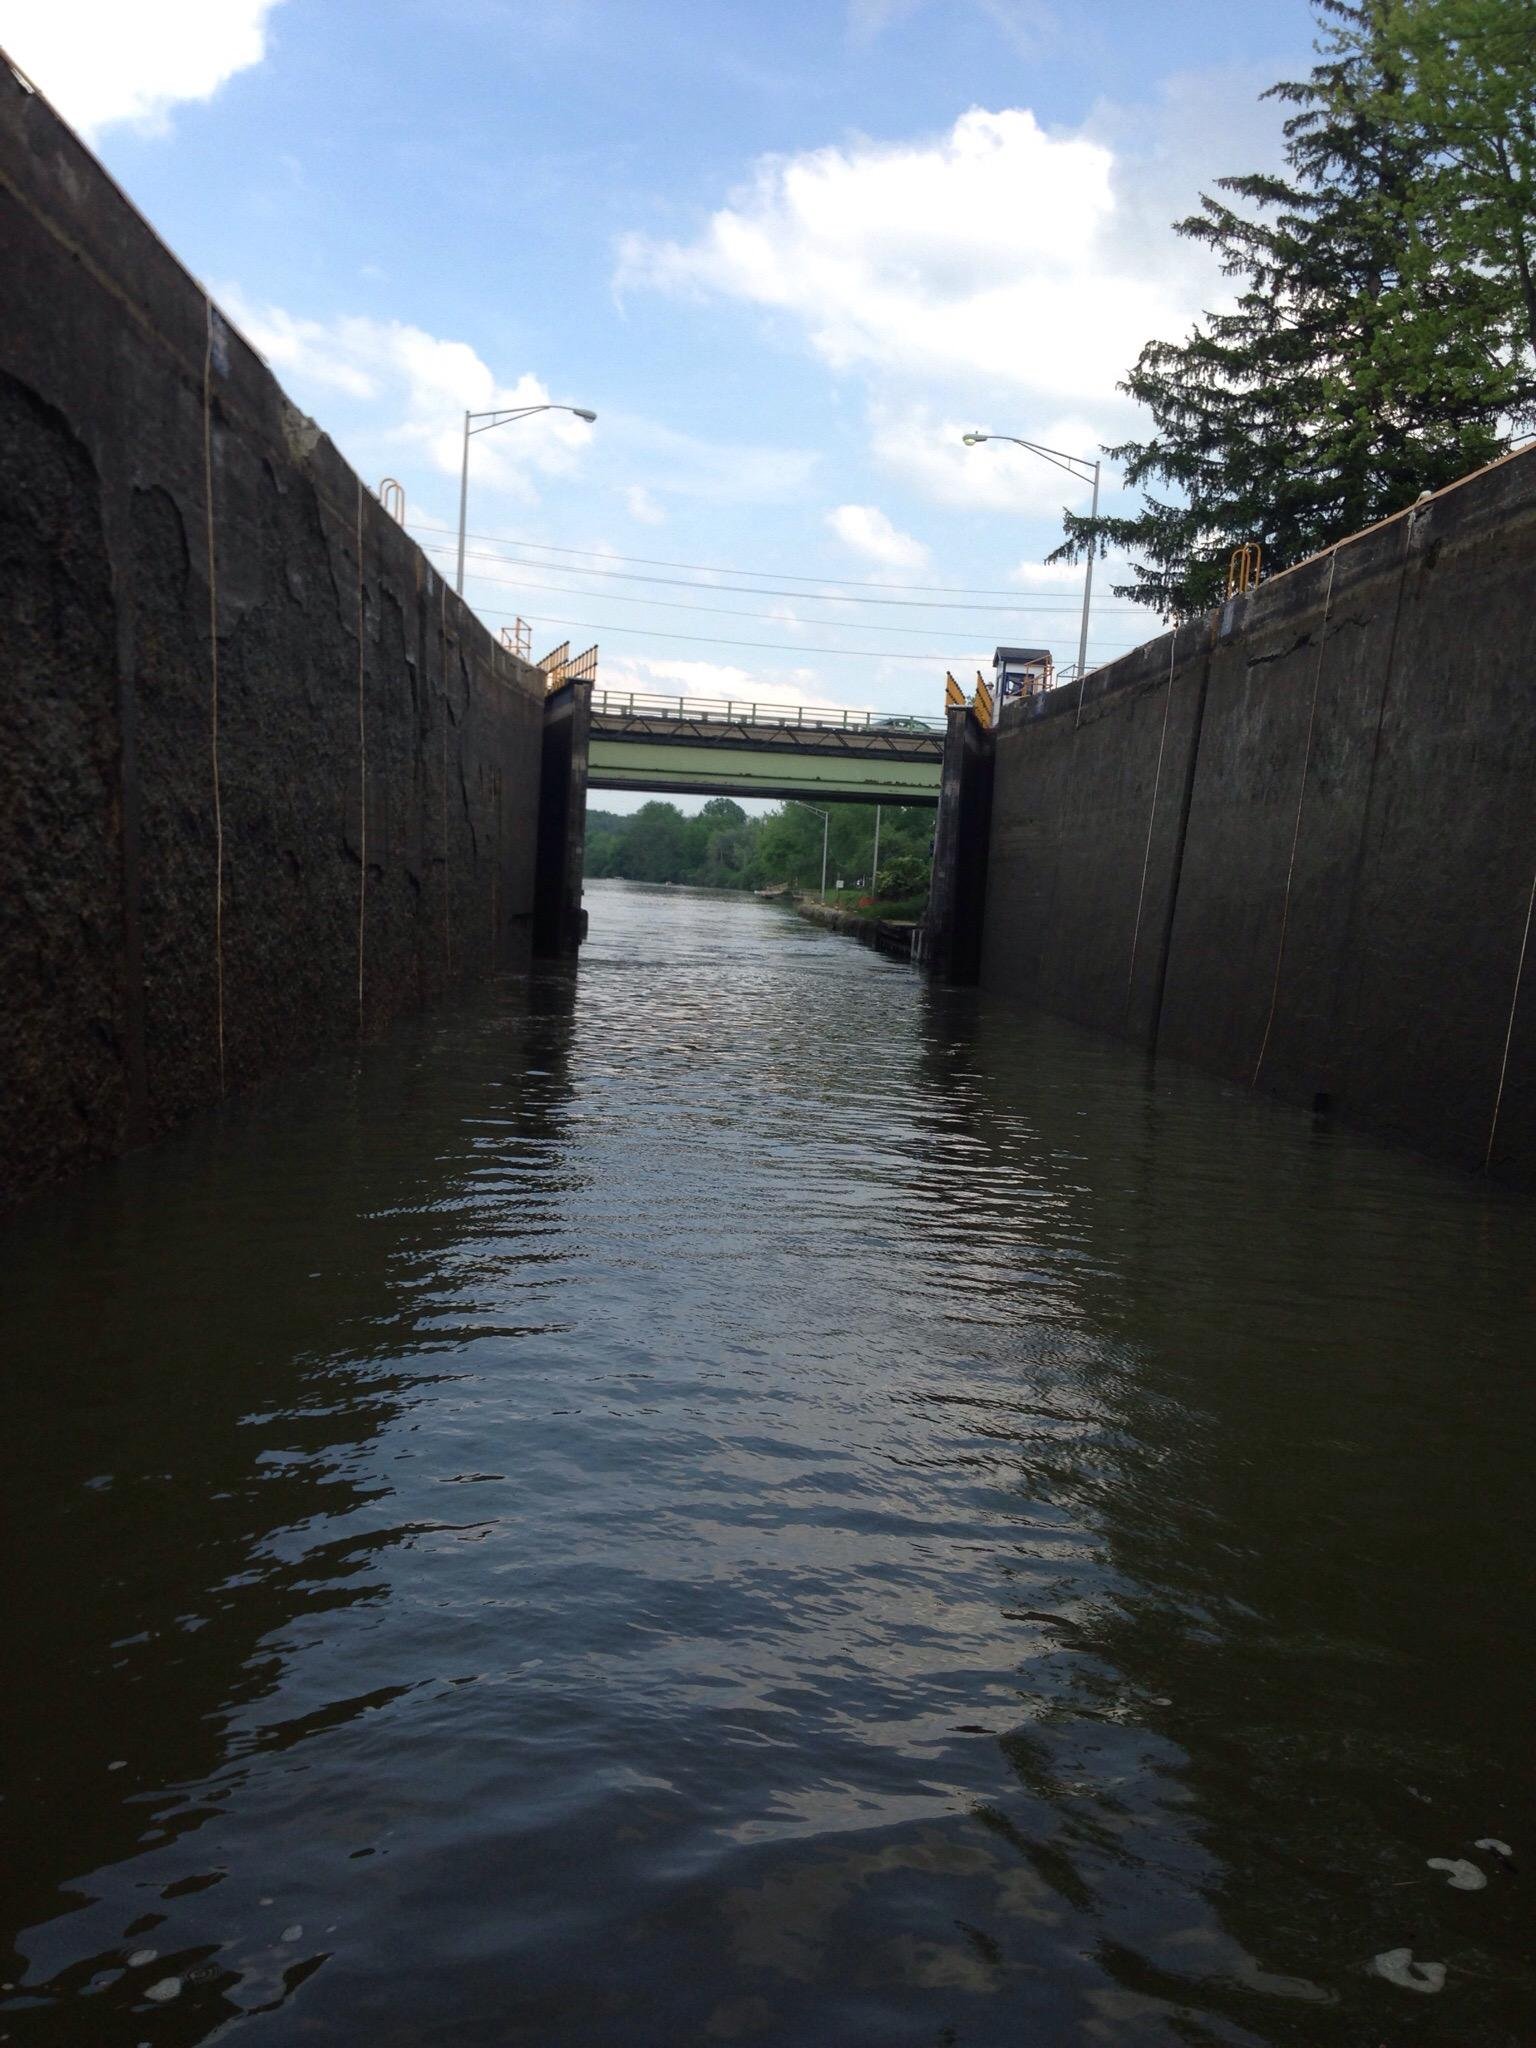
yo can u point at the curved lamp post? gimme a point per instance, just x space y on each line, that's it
1074 465
481 423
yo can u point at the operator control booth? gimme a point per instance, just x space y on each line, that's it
1021 672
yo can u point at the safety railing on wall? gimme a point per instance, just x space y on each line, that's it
561 666
744 711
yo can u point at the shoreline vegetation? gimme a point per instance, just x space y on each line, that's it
723 848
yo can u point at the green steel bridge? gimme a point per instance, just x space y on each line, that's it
730 747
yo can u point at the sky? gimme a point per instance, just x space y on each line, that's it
787 250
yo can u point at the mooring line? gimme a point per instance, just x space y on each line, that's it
1157 778
1509 1029
1301 798
213 684
362 771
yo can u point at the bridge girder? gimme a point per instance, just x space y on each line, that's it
684 753
714 769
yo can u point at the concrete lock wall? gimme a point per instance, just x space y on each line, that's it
1296 841
265 784
559 922
952 929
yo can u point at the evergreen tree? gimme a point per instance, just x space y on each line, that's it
1466 80
1361 363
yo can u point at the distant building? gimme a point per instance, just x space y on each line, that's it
1020 672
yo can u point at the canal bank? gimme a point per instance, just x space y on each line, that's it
897 937
737 1494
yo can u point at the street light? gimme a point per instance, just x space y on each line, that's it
1074 465
487 421
826 821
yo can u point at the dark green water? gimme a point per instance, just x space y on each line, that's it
736 1499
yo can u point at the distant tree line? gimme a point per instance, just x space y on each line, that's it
723 848
1380 339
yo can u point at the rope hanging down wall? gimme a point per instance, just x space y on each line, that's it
1509 1029
1301 797
442 666
1157 780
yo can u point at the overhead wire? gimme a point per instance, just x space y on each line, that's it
714 639
1041 602
723 611
706 568
770 590
1070 599
841 582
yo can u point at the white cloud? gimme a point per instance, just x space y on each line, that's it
1056 578
1063 580
675 678
992 252
1020 22
867 530
1024 23
101 61
870 18
924 448
999 274
642 507
685 465
1112 622
713 680
416 388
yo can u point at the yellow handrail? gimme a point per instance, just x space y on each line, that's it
1245 565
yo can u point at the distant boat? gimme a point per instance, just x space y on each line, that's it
777 889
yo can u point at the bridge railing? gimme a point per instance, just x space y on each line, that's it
745 711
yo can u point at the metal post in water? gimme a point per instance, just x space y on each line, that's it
874 873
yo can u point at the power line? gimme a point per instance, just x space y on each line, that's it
723 611
1071 598
1018 604
707 568
713 640
713 569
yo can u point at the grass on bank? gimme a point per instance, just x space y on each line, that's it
905 909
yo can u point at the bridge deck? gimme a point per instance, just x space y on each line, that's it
723 747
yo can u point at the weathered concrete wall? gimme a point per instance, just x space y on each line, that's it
1296 841
266 784
952 927
559 922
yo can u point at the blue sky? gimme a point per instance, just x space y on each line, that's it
787 252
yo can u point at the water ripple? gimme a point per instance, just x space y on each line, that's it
736 1497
